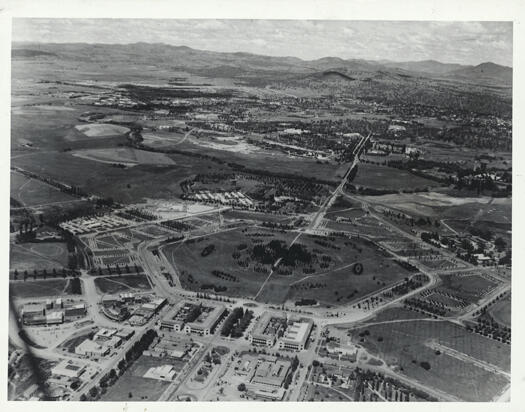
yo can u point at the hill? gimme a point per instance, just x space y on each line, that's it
484 73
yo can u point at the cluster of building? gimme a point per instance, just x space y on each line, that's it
232 198
264 375
192 318
103 342
290 334
137 308
168 345
52 312
94 224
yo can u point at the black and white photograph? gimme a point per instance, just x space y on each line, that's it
260 210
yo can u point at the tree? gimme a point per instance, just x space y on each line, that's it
93 392
241 387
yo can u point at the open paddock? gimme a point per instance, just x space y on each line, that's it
37 256
406 344
383 177
125 283
501 311
38 288
34 193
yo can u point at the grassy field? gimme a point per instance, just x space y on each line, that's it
38 288
335 283
383 177
501 311
132 381
39 256
406 344
124 283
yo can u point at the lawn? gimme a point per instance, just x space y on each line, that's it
404 344
38 288
332 284
124 283
132 382
39 256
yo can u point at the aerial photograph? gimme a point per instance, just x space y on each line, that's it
222 210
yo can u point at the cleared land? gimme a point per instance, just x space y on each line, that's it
125 283
406 344
125 156
101 129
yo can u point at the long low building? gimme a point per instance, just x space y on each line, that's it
296 335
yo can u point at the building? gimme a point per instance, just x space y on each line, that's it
54 318
173 347
164 372
68 369
75 310
296 335
270 372
125 334
174 320
207 321
266 330
104 334
91 349
33 309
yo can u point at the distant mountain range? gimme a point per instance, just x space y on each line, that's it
208 63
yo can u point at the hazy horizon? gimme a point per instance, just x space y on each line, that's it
465 43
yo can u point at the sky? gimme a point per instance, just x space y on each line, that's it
448 42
